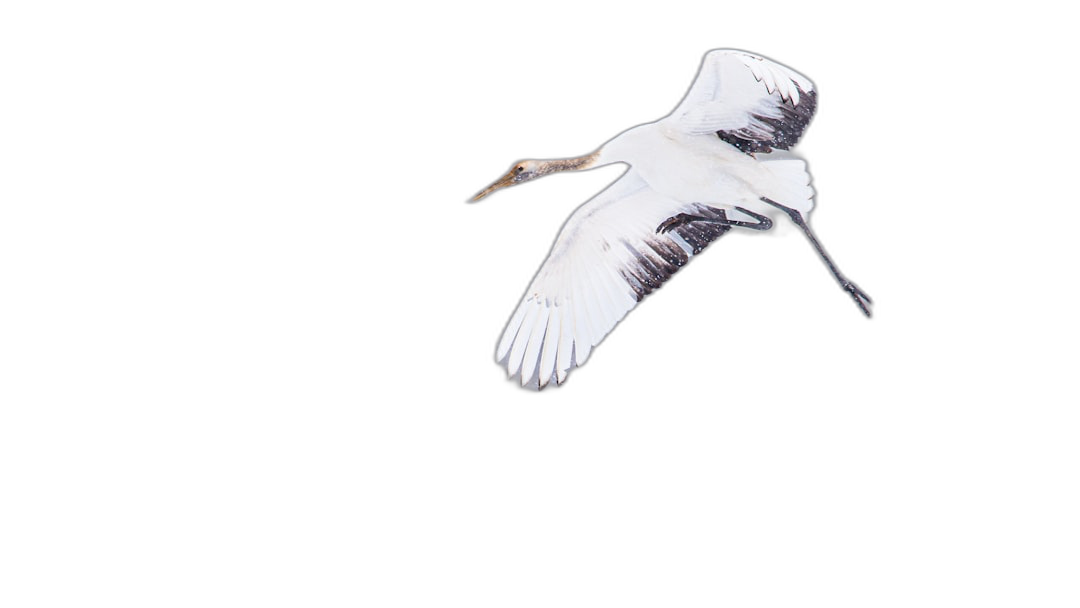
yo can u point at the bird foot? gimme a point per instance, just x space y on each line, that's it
860 297
674 222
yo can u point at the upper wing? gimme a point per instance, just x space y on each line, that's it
606 259
752 103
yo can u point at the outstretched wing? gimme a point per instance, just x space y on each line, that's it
607 257
750 102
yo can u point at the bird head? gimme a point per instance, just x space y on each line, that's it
521 172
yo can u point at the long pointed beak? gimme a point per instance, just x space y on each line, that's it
502 182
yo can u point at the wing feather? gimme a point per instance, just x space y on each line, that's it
511 331
583 319
536 339
551 345
521 336
564 357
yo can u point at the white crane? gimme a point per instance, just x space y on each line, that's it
693 175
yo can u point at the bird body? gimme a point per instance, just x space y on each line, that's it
694 167
692 176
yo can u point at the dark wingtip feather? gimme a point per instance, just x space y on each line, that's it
786 130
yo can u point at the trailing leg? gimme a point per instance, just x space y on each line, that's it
860 297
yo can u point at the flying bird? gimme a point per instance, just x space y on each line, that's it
693 175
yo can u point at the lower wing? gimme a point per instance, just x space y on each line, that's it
607 258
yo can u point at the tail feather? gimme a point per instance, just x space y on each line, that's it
793 184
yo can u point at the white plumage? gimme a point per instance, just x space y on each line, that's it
701 161
724 98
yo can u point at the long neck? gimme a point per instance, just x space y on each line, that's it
578 163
